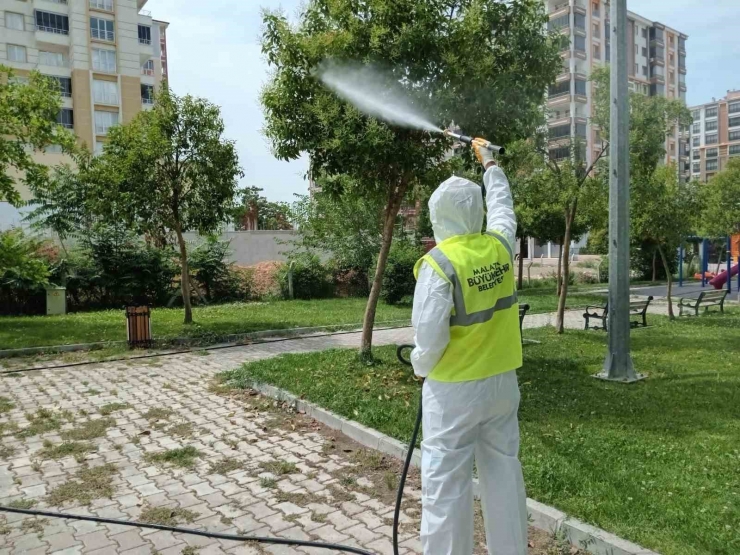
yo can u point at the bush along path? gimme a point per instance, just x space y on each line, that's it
161 441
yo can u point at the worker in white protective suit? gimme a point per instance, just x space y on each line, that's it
468 347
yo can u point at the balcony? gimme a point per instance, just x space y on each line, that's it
108 36
51 35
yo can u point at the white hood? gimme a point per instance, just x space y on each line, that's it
456 208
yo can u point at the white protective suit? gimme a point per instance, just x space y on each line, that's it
470 420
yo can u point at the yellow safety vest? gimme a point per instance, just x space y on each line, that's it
485 339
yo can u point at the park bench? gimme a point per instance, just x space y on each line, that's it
705 299
638 309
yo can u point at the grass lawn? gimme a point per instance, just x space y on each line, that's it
655 462
218 320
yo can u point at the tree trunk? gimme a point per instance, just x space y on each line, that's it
391 211
521 264
671 315
560 268
565 259
655 265
184 277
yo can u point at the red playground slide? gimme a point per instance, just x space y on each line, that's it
719 281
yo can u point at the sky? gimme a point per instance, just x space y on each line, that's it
214 52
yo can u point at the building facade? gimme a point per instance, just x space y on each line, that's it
657 66
715 135
109 56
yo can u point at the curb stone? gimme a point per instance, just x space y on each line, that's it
543 517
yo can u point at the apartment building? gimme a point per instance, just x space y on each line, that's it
657 67
109 56
715 135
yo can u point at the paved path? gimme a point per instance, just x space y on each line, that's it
282 481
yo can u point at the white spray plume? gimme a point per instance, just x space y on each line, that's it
375 94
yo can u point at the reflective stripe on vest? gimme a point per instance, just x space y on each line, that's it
485 338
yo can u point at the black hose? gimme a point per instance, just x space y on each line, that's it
409 454
258 539
216 535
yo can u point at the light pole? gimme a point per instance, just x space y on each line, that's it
618 363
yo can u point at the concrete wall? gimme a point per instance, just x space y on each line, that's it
251 247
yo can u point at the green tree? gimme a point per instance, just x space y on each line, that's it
484 65
663 213
28 122
270 215
323 221
721 197
169 168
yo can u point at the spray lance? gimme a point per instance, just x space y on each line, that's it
474 141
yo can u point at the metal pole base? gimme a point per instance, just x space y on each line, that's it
619 373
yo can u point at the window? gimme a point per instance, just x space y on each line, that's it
53 149
608 53
734 122
560 153
595 10
695 115
696 128
710 125
52 22
560 131
597 52
580 129
697 155
55 59
596 31
711 153
682 62
104 121
147 94
16 53
102 29
637 69
734 150
657 71
673 148
734 108
104 60
657 52
102 4
711 165
696 167
559 89
670 40
710 139
105 92
145 34
670 59
581 87
656 33
711 112
644 32
656 89
148 68
14 21
696 141
580 20
65 118
579 43
734 136
98 148
644 71
558 23
64 84
681 43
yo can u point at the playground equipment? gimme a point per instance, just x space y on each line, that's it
717 279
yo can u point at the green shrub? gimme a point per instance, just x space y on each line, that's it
310 277
113 267
216 276
349 281
398 280
24 271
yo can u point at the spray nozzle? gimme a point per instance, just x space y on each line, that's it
482 142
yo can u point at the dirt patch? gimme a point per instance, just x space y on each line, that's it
88 484
167 516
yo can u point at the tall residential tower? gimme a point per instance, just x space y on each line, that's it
715 135
109 56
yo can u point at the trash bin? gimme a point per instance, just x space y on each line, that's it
56 300
138 327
